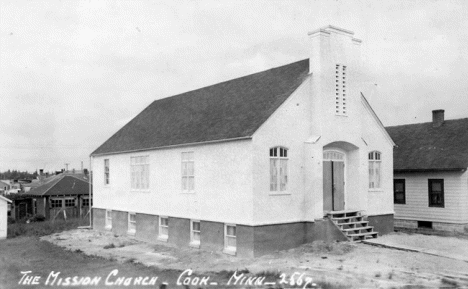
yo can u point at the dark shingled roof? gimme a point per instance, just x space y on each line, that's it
422 147
227 110
61 185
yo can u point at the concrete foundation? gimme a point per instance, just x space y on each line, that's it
147 227
382 223
252 241
436 226
99 219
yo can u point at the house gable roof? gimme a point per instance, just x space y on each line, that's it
422 147
229 110
61 185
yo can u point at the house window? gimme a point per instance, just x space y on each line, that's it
399 194
85 202
340 90
163 228
436 193
188 171
140 172
230 243
195 233
131 223
69 202
55 203
108 219
374 169
278 169
106 171
9 209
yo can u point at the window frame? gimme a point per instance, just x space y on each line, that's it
106 172
193 242
69 199
139 173
430 192
131 226
108 216
163 237
185 178
83 202
403 202
276 155
229 249
374 161
55 200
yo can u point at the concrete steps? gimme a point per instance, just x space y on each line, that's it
353 225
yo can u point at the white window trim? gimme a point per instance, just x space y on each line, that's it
379 189
108 224
160 236
188 191
278 192
106 173
194 243
147 190
131 231
229 250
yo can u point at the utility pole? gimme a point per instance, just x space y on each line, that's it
66 166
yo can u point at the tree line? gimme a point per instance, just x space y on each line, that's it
15 174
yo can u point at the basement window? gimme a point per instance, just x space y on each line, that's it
425 224
163 228
230 239
131 223
195 233
108 219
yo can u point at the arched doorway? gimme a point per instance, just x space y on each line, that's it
333 180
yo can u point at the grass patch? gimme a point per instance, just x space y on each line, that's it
48 227
336 248
109 246
450 282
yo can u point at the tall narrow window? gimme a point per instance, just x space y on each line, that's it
340 90
188 171
278 169
106 171
139 172
163 228
195 233
374 169
399 194
230 236
131 223
108 219
436 193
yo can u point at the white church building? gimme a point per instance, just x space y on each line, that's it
265 162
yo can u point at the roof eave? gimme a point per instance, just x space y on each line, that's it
428 170
171 146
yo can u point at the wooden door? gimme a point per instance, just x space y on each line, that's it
338 186
327 186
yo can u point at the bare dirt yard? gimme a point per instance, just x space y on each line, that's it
328 265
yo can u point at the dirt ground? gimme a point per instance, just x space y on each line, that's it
353 265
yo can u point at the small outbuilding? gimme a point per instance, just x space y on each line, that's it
3 216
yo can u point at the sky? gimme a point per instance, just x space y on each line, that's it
74 72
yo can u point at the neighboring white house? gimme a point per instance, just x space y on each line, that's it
3 216
430 174
254 164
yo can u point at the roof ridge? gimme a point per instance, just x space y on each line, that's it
427 122
52 185
228 80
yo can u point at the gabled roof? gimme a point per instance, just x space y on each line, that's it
228 110
61 185
5 199
422 147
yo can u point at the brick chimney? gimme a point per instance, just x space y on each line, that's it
437 117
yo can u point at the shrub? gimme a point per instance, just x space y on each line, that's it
109 246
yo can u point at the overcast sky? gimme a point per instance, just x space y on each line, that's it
73 72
